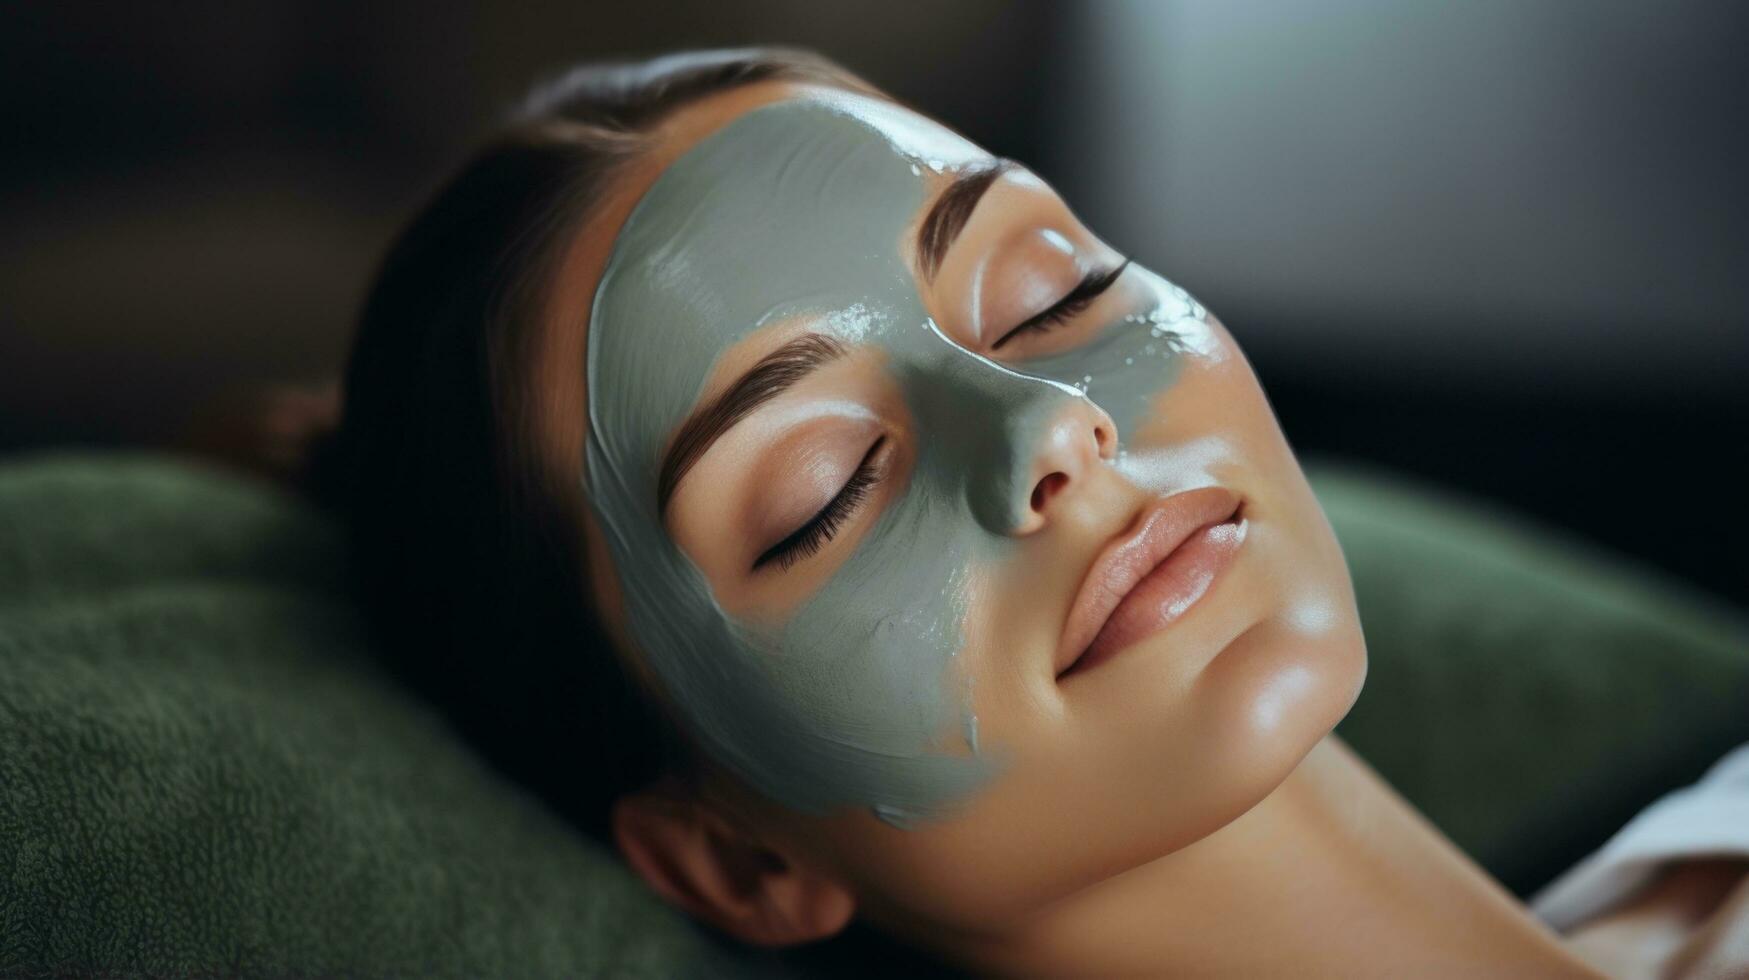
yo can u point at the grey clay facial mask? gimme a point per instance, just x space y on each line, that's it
798 210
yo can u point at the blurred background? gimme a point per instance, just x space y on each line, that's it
1499 245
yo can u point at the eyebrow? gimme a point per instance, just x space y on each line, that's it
774 374
947 217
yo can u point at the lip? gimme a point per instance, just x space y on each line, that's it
1150 575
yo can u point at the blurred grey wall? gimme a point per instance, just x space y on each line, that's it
193 195
1549 192
1499 245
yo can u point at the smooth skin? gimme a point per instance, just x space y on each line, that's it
1182 808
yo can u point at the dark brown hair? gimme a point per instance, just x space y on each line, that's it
466 544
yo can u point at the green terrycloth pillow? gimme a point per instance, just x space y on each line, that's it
1528 694
202 771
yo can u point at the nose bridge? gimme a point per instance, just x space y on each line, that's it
983 428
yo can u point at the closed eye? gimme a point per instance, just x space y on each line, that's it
1082 296
812 536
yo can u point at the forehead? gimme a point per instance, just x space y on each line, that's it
794 209
770 186
569 316
903 131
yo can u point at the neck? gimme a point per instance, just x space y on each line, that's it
1332 874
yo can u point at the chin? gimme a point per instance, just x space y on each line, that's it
1279 690
1249 719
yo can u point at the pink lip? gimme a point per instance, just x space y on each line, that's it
1149 576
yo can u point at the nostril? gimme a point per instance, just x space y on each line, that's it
1102 440
1046 489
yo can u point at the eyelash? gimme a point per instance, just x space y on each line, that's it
812 536
1077 299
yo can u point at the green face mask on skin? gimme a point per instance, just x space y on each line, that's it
796 210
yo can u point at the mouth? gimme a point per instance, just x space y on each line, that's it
1151 575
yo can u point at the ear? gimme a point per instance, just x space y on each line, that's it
686 850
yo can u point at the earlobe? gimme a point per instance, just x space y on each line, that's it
690 855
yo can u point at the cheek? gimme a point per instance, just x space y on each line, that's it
869 667
1154 767
1290 679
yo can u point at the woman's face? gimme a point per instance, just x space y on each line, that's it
970 547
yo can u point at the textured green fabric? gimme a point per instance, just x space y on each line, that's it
1528 694
202 772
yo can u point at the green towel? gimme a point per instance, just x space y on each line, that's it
203 772
1529 694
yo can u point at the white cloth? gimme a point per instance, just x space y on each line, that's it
1708 819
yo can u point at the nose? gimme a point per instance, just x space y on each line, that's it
1072 445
